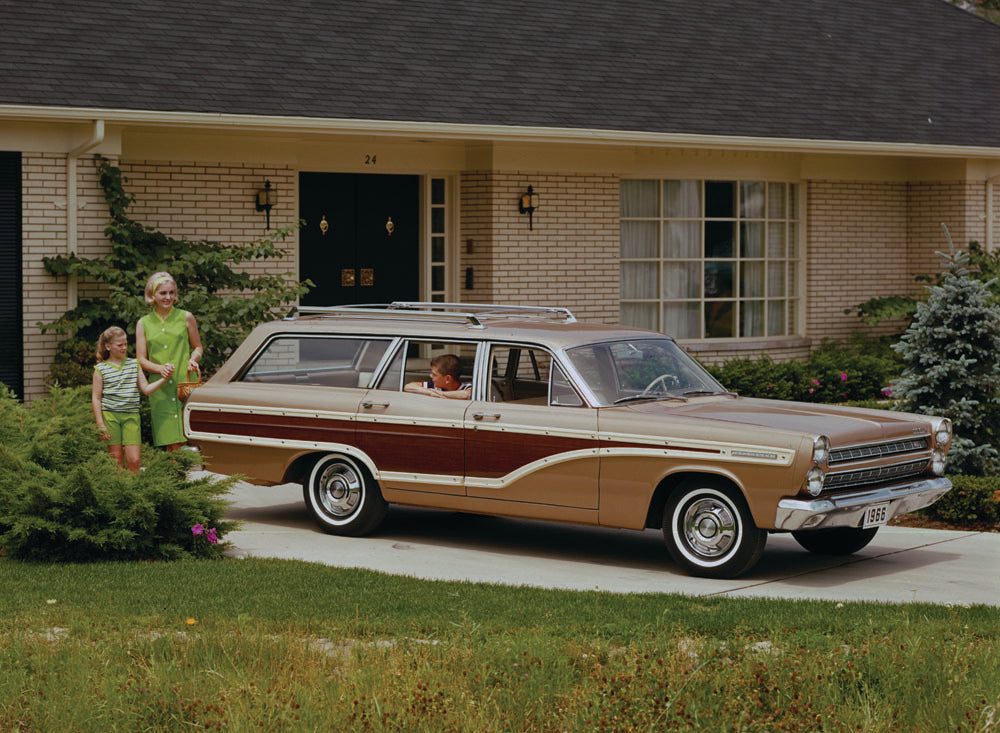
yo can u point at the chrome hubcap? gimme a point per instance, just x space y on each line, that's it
339 490
709 527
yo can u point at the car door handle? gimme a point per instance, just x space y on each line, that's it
483 416
370 405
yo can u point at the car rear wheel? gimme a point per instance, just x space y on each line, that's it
343 497
709 530
835 540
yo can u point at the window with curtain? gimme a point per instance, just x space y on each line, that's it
710 259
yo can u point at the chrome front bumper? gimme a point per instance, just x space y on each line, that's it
847 510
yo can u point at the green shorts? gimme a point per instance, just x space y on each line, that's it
124 427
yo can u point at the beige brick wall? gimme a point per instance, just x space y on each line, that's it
195 201
870 239
569 259
856 249
44 225
182 200
863 239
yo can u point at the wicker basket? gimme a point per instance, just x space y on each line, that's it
184 389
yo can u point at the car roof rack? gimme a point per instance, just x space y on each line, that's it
471 313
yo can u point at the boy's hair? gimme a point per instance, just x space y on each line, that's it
447 364
109 335
156 280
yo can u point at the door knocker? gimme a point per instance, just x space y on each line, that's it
324 225
390 227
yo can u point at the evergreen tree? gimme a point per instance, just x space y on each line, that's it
951 353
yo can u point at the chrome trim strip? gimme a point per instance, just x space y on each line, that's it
723 455
259 410
528 468
847 510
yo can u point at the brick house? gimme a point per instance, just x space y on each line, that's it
731 172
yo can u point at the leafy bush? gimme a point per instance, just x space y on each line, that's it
63 498
203 271
974 500
762 378
834 373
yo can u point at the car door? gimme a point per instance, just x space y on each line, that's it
416 441
532 439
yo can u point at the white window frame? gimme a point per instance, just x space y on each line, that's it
439 249
763 307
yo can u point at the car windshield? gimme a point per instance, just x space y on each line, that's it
641 369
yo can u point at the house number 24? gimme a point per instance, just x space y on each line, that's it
369 160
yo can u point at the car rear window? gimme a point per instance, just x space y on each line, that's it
317 361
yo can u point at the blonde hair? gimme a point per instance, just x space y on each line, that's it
109 335
156 280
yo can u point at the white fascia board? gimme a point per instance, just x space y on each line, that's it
497 133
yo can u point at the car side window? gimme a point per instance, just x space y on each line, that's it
412 363
528 375
316 361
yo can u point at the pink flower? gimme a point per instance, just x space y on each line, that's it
843 376
212 539
197 530
887 391
811 390
816 382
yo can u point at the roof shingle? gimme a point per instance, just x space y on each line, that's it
862 70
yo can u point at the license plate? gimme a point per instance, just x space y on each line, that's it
875 515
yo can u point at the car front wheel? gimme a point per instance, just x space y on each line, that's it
343 497
835 540
709 530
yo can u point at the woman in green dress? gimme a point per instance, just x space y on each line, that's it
167 342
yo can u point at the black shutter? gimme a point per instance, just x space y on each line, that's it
11 332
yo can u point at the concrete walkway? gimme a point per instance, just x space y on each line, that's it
901 565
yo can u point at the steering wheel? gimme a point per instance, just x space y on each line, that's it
666 381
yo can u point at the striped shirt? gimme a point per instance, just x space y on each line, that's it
121 386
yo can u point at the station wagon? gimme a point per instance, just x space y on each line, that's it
566 421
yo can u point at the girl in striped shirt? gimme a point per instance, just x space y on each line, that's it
115 397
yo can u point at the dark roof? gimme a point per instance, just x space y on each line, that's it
910 71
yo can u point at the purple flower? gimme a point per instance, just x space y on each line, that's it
843 376
816 382
212 539
811 390
197 530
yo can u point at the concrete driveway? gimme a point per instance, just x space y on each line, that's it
901 565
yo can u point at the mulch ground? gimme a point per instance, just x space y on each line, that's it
915 520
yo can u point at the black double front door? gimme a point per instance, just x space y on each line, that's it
361 239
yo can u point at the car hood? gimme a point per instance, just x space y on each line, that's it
843 425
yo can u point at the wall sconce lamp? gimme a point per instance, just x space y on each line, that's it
265 199
527 205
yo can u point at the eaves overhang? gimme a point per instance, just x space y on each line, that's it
445 131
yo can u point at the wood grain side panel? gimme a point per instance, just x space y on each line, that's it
275 427
494 453
419 449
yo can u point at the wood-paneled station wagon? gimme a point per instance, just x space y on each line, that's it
566 421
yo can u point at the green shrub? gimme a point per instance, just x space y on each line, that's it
973 500
63 498
834 373
762 378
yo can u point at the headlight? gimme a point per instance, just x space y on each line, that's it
942 434
938 461
814 480
821 449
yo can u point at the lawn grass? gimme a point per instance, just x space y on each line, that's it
284 645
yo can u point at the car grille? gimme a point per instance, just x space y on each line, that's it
877 450
873 475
